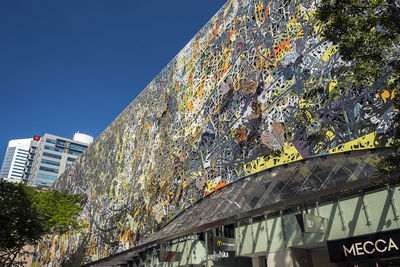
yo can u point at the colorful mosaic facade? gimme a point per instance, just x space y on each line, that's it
257 87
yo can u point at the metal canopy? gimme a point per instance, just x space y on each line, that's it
278 184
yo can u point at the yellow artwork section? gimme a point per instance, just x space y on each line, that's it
288 154
365 142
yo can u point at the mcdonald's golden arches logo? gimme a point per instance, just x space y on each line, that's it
219 243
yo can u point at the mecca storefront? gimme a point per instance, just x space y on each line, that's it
378 249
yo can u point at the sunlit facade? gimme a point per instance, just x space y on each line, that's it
252 147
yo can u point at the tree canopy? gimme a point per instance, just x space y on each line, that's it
367 33
28 214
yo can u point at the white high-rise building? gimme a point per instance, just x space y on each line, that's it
14 160
50 155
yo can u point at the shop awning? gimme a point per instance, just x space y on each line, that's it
276 185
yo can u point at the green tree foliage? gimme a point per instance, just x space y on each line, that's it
28 214
367 33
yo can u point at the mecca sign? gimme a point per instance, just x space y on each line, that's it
377 245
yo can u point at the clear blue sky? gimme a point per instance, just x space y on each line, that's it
74 65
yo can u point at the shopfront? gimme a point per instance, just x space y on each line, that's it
356 231
381 249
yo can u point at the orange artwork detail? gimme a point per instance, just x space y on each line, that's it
394 92
215 31
189 106
280 47
218 186
131 236
262 13
385 94
248 87
195 135
266 12
199 93
240 134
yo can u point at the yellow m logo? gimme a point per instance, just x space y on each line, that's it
219 243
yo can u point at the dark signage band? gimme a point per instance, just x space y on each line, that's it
358 248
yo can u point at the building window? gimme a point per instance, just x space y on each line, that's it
67 165
60 143
70 159
51 141
51 155
54 148
48 169
46 176
74 152
77 147
55 163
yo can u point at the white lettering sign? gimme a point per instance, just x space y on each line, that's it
369 247
392 245
216 256
366 248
